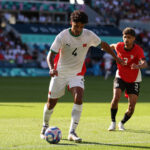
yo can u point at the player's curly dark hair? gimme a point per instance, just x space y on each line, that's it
79 16
129 31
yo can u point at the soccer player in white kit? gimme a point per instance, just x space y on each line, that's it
67 69
108 60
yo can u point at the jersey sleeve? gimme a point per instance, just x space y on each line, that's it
94 39
57 44
117 46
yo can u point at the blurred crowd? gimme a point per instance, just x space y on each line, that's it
96 63
43 12
38 6
15 53
111 11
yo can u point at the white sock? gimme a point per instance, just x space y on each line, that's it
107 74
46 115
76 113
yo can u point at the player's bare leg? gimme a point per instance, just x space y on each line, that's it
131 107
114 107
77 93
48 110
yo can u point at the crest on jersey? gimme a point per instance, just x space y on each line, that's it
84 45
131 56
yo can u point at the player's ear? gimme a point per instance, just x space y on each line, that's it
133 38
71 22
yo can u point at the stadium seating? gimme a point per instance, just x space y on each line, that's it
36 36
38 6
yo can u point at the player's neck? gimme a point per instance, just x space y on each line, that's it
73 34
129 48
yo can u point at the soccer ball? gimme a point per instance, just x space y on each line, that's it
53 135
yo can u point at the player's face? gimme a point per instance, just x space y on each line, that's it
128 40
77 28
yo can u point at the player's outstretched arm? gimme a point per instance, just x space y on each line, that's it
142 65
50 62
113 46
109 50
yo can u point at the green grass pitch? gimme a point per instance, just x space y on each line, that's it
21 112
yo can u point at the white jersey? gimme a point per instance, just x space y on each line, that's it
107 60
72 51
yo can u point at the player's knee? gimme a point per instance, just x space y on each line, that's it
78 98
51 103
116 97
131 110
115 100
78 101
114 104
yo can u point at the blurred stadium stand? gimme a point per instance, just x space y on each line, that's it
28 28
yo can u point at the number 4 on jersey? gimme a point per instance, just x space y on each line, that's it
74 52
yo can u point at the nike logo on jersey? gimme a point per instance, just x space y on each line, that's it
131 56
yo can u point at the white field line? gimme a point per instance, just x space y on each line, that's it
73 144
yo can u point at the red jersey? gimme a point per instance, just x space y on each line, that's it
133 56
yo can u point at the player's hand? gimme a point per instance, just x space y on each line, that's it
134 66
120 61
53 72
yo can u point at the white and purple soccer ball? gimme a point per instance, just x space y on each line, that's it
53 135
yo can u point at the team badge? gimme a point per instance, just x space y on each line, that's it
84 45
131 56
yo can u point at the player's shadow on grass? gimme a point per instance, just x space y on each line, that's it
67 144
115 145
104 144
73 144
138 131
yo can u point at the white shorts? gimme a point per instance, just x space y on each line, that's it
108 65
58 85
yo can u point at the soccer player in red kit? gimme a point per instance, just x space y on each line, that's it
128 77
